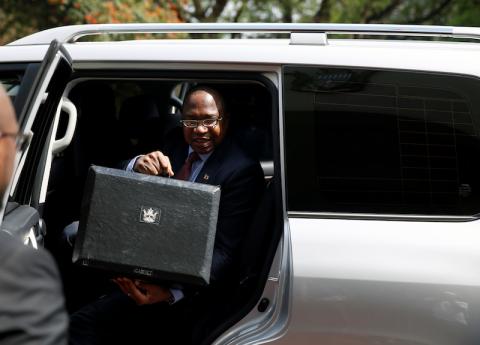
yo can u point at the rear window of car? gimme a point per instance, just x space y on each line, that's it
381 141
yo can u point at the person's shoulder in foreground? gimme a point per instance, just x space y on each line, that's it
32 307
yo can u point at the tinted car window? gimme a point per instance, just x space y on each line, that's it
17 80
11 84
370 141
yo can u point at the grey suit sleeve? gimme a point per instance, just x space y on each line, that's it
32 308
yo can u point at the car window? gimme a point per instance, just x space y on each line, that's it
11 83
391 142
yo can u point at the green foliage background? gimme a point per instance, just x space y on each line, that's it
21 17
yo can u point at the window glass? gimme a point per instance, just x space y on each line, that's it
11 83
370 141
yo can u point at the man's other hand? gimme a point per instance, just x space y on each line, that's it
154 163
143 293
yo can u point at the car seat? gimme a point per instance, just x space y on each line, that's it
140 125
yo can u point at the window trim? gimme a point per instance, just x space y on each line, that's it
377 216
359 215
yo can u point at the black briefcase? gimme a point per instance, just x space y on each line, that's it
148 227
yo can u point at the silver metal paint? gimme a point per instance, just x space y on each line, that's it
308 38
357 281
258 327
74 32
385 282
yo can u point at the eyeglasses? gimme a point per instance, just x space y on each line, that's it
20 139
208 123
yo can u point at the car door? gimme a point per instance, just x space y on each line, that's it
36 104
382 174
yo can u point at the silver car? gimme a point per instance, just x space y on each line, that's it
368 232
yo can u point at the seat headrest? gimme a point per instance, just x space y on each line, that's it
138 109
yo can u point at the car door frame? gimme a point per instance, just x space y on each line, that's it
36 112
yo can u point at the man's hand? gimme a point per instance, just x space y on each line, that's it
154 163
143 293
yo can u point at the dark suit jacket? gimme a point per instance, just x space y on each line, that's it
242 183
241 180
32 307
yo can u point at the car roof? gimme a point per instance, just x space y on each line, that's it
71 33
443 56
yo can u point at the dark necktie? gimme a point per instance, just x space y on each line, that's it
186 169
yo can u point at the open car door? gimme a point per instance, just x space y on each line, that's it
37 115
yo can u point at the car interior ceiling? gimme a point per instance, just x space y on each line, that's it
119 119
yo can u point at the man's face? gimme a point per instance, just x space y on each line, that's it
201 105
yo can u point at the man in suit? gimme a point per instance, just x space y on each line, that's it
31 298
205 153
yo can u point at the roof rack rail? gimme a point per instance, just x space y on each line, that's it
70 34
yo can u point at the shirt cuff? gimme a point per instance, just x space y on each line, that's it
131 164
177 295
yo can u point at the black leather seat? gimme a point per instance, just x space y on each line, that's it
141 125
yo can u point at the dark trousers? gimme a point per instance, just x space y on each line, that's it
116 319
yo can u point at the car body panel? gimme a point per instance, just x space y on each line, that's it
384 282
450 57
356 279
